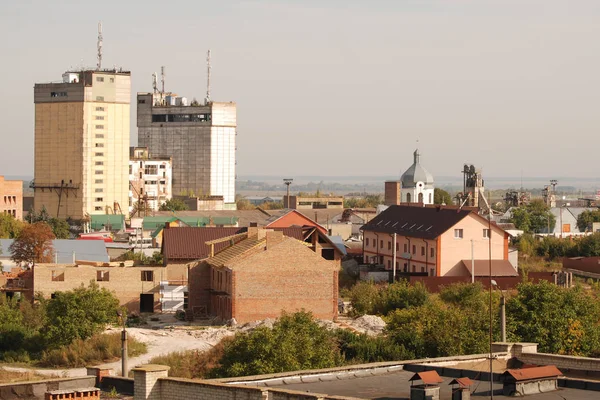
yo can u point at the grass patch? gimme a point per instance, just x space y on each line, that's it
97 349
192 364
12 376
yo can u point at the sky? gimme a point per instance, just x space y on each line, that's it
332 87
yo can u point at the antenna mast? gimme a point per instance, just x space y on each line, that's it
207 99
162 82
99 65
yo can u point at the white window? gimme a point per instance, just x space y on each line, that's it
100 117
458 234
99 154
99 126
99 108
99 79
99 98
486 233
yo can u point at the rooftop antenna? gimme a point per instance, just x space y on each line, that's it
99 65
154 83
207 99
162 80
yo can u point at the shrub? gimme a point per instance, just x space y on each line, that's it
192 364
361 348
97 349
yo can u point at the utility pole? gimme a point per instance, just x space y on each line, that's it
472 261
394 258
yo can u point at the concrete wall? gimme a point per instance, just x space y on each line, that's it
37 389
203 152
82 138
151 383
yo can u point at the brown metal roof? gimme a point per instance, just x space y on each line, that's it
428 377
416 222
499 268
189 243
462 382
527 374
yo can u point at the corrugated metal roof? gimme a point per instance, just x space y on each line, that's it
88 250
102 221
428 377
416 222
547 371
244 217
499 268
155 222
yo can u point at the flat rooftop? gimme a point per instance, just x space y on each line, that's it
387 381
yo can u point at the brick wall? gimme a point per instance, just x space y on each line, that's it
11 197
287 276
125 282
585 264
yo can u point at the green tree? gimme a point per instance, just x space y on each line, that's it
440 196
368 201
79 314
561 321
33 244
173 205
586 219
60 228
9 226
365 298
534 217
296 342
401 295
588 246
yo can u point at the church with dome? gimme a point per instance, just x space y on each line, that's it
415 186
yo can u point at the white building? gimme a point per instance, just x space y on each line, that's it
417 183
150 178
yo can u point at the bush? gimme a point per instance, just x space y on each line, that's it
97 349
79 314
361 348
295 343
192 364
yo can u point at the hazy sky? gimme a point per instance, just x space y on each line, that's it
339 87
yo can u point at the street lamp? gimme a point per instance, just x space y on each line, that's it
123 318
288 182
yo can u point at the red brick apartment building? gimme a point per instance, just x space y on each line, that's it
263 275
11 198
436 240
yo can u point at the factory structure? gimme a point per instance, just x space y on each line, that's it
82 143
200 139
83 165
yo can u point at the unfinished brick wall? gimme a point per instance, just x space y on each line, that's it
287 276
125 282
